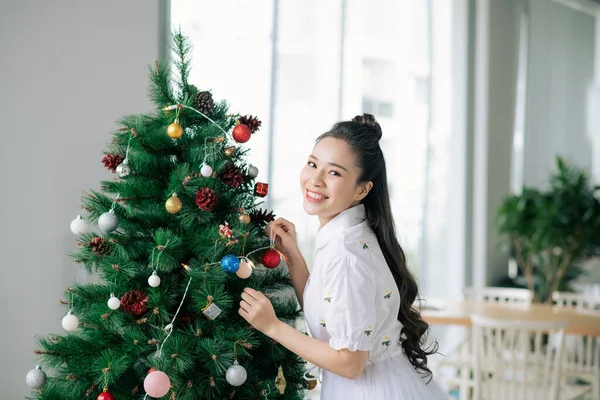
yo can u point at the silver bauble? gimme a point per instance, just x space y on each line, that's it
36 378
252 171
236 374
123 169
78 225
108 222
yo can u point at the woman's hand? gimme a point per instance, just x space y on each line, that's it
257 309
284 233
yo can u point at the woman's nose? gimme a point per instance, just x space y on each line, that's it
317 179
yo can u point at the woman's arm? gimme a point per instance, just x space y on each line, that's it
257 310
299 274
284 234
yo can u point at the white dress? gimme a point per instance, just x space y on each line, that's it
351 301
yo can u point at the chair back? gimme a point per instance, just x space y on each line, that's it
515 360
499 295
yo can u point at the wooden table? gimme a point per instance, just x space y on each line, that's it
580 322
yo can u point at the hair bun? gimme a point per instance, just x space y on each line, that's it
370 121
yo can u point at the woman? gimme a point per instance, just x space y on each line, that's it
358 300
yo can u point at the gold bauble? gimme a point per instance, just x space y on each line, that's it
244 218
173 204
175 131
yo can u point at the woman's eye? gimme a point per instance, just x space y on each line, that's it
312 164
334 173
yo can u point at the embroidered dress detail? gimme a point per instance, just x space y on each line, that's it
369 331
386 341
327 298
388 294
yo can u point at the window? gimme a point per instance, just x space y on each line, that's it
334 60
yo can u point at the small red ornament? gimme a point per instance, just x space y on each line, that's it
261 189
152 370
106 395
271 259
241 133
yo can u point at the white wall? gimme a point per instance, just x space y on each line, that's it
560 74
68 71
495 62
560 77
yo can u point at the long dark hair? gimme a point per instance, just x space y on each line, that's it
362 134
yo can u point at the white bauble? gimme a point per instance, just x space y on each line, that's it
114 303
206 170
70 322
78 225
154 280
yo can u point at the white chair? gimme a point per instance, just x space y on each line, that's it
499 295
582 359
463 359
514 362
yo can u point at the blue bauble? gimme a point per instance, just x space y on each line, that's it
230 263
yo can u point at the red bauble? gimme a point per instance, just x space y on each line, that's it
270 259
106 395
241 133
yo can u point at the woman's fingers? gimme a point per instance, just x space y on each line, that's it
248 298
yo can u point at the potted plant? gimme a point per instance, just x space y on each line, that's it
553 231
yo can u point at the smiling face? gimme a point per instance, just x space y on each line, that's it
329 180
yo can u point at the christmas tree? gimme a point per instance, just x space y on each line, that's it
180 235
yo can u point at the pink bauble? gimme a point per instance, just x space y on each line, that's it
157 384
244 270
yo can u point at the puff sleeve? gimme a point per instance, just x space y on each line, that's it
349 308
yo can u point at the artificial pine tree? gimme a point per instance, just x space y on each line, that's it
176 246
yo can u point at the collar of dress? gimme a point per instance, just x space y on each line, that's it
344 220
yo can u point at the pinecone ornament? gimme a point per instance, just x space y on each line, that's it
206 199
262 217
203 102
112 161
98 246
251 122
232 176
134 303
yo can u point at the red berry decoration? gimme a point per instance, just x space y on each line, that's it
241 133
271 259
106 395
